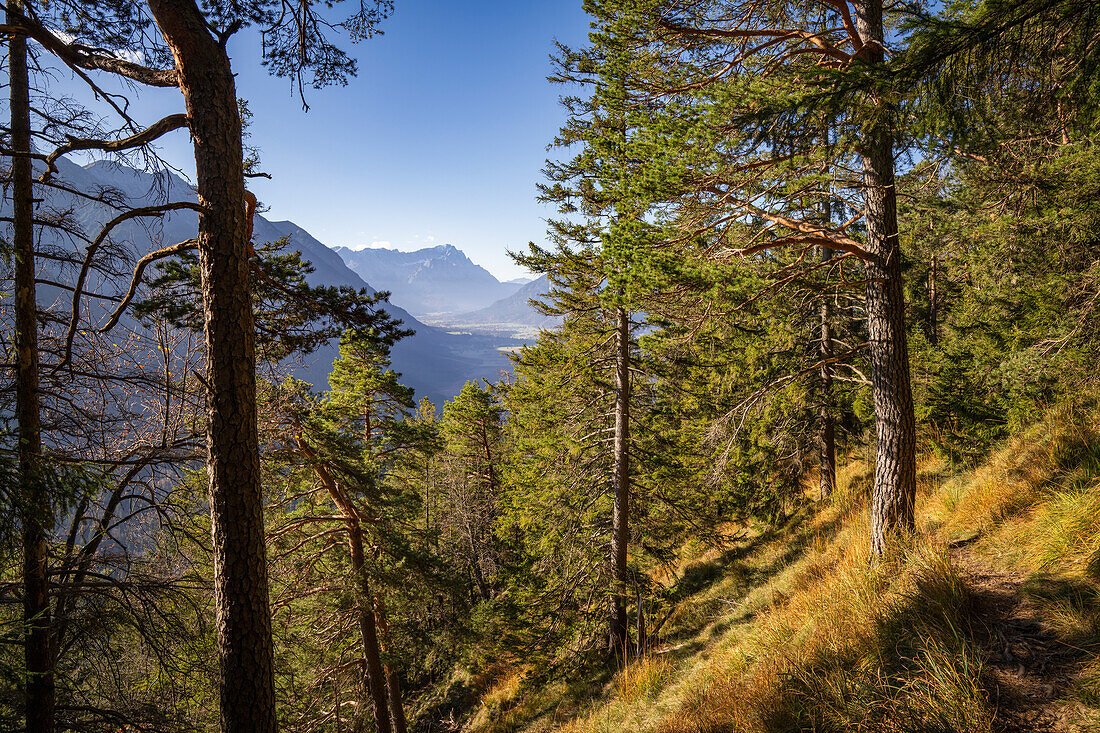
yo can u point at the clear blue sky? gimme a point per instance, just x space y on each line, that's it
440 139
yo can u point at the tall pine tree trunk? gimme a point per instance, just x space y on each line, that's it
240 563
372 682
826 419
933 304
36 508
397 711
375 682
393 680
620 520
475 557
827 426
894 489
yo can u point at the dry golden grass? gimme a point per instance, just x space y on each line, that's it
813 644
1051 469
501 695
827 657
643 679
1087 689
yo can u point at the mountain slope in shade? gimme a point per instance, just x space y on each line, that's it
514 309
433 280
434 362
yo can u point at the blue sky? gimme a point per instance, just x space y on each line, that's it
440 139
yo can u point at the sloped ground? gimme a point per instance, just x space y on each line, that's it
1030 669
987 620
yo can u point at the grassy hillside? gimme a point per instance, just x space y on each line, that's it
989 620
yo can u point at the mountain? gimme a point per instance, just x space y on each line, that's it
429 281
520 280
435 362
514 309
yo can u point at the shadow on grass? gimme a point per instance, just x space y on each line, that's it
742 572
740 567
919 671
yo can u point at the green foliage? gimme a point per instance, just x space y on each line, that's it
1018 253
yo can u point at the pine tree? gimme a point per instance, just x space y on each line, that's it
363 384
766 77
471 430
196 39
51 605
36 520
612 184
344 447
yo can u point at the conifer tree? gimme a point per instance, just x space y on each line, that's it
612 185
36 520
1020 146
345 446
470 427
37 225
365 388
195 40
561 435
768 76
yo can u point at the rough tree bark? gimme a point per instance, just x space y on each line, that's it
368 629
240 565
393 680
35 517
397 711
827 437
620 520
894 489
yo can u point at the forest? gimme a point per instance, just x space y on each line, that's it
814 444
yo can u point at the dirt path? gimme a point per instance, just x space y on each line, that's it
1027 668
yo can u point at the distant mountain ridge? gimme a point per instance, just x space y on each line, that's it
513 309
434 362
430 281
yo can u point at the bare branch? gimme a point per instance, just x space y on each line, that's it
159 210
76 55
148 135
144 262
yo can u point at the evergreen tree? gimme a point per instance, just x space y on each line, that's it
195 40
471 430
82 431
607 246
771 75
342 449
37 521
